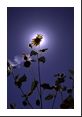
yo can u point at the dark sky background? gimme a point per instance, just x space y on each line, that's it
58 26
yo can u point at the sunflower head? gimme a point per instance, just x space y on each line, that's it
36 41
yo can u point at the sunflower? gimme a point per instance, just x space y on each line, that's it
36 41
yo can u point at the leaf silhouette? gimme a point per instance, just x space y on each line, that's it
12 106
34 85
69 91
30 45
43 50
42 59
60 80
49 97
24 103
60 75
37 102
60 88
25 56
33 53
20 80
71 78
67 103
46 86
57 87
27 64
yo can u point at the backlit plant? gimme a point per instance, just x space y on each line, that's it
37 56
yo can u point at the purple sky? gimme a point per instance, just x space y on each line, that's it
57 24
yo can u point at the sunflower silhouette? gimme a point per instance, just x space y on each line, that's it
36 41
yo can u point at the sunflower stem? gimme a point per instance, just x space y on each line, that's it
61 96
39 81
54 100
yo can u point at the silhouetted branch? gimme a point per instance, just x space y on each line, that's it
54 100
23 92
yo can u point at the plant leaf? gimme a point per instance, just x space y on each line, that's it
27 64
30 45
57 87
67 103
34 85
12 106
20 80
37 102
33 53
71 78
43 50
60 80
24 103
49 97
69 91
60 75
23 78
46 86
42 59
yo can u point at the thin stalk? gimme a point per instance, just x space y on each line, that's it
39 81
54 100
34 79
61 96
22 92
